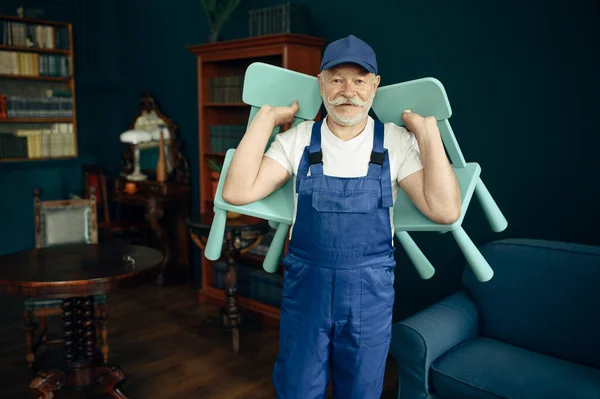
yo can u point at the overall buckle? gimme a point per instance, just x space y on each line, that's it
377 158
315 157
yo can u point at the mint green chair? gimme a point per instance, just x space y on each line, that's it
428 97
266 84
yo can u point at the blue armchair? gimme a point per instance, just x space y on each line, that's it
531 332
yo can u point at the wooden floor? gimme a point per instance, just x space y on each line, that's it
153 336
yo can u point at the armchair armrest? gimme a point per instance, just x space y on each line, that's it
422 338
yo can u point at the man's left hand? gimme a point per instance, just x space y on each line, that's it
418 124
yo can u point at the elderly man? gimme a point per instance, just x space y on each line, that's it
338 294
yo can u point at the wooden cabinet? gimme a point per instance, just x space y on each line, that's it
222 116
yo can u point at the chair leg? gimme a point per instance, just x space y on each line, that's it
29 328
44 330
102 322
420 262
490 208
481 268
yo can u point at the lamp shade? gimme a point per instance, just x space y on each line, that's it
135 136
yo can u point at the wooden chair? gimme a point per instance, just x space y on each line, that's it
57 223
94 177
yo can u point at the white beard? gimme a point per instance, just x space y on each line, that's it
343 120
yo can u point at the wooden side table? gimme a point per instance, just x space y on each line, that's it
237 231
166 208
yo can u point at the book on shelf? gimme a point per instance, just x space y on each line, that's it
57 141
224 137
3 107
37 107
288 17
33 64
27 34
252 283
226 89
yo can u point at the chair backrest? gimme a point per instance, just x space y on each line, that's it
65 221
266 84
94 176
543 297
426 97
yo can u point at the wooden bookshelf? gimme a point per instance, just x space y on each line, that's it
225 63
38 119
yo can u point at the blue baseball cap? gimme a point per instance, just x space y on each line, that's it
349 50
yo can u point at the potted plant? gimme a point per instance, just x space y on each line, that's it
215 174
218 12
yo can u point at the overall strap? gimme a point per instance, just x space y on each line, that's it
379 165
315 155
312 157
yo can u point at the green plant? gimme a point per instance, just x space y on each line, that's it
218 12
213 165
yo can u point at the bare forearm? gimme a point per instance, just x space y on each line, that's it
247 159
440 186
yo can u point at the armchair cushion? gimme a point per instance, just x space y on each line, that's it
543 297
419 340
65 224
484 368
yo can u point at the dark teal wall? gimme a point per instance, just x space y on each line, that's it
156 58
520 76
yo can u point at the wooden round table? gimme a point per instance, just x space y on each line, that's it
76 273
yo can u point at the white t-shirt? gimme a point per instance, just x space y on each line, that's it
348 158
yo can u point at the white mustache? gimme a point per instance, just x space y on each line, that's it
345 100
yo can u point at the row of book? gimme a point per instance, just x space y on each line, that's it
224 137
33 64
251 283
35 107
57 141
22 34
262 248
284 18
226 89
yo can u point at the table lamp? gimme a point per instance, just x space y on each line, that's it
135 138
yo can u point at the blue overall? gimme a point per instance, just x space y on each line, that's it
336 311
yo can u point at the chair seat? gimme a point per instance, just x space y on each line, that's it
49 303
277 207
408 218
488 369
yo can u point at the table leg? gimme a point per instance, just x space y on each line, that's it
81 370
154 213
231 311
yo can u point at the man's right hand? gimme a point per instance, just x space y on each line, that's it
252 175
283 115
